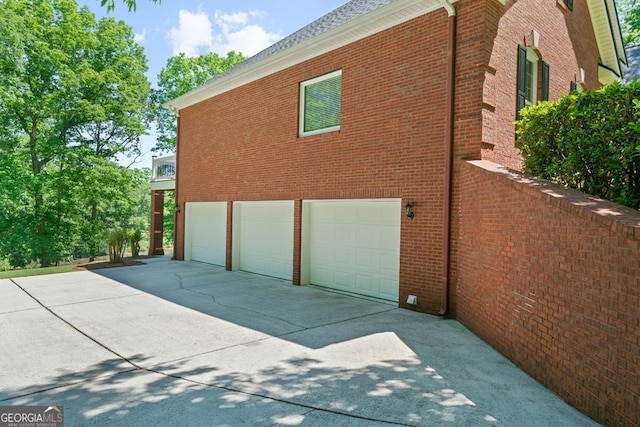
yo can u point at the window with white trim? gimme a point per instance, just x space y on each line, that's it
320 104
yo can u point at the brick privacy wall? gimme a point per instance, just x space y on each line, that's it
551 278
567 43
243 144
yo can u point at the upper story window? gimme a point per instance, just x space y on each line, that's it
533 78
320 104
576 86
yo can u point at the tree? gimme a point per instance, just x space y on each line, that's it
629 17
131 4
181 75
73 95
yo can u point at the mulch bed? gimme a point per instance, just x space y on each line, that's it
102 263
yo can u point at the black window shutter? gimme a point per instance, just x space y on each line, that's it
574 86
545 82
569 4
522 77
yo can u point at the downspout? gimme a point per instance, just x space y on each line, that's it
448 143
176 209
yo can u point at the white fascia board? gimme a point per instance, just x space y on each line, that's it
606 76
391 15
608 37
164 184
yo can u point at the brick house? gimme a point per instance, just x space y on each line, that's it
332 157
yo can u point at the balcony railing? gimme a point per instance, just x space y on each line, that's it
163 173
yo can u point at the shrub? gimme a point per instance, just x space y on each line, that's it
588 140
116 240
5 265
33 264
134 235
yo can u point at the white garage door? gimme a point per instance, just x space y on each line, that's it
206 232
263 238
353 245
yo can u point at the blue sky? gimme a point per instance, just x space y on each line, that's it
199 26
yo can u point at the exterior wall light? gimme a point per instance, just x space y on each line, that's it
535 39
408 211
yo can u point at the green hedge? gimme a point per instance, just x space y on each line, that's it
589 141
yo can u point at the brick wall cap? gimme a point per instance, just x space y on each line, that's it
568 199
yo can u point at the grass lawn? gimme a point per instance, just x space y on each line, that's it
36 271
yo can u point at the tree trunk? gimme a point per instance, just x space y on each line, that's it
41 249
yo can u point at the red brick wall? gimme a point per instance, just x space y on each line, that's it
567 43
551 278
477 25
243 145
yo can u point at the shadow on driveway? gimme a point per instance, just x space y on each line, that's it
232 348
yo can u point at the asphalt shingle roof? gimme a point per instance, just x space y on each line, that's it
633 63
345 13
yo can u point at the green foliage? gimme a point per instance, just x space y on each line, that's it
168 217
33 264
117 242
134 235
5 264
131 4
181 75
589 141
73 97
629 17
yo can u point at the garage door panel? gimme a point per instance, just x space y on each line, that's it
364 215
389 289
354 245
323 276
389 237
389 263
342 256
364 283
343 279
265 237
367 238
364 259
206 232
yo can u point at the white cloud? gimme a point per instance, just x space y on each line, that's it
232 31
193 33
227 21
240 35
139 38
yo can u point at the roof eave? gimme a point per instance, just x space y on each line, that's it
606 26
388 16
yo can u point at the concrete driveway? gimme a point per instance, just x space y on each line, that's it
177 343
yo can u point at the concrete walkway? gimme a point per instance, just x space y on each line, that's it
174 343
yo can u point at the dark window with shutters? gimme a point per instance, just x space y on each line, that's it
573 87
544 95
522 80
